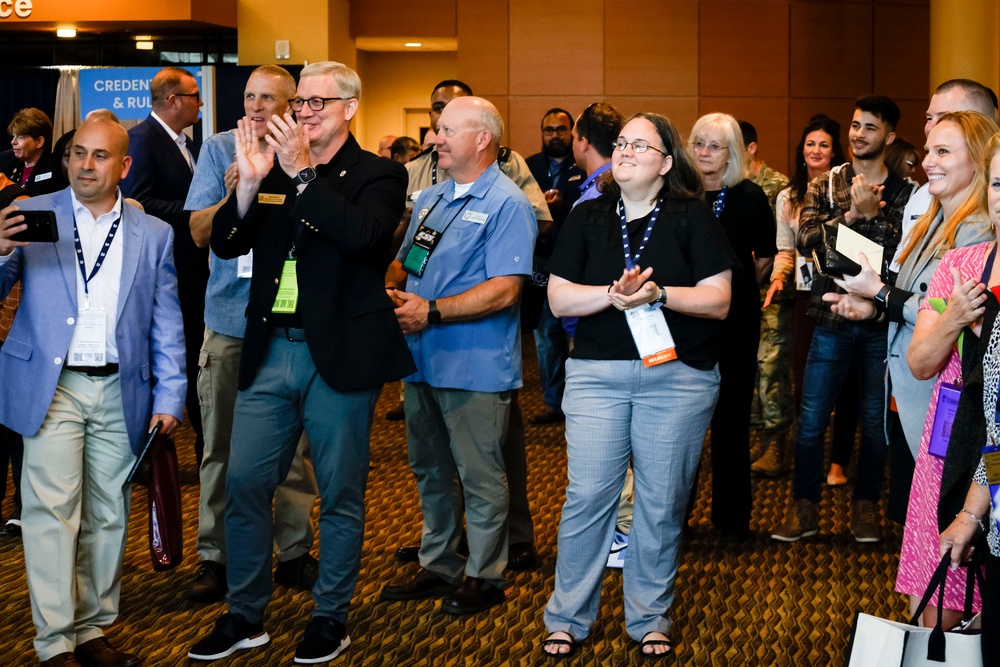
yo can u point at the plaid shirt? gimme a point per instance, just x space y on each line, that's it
823 205
7 309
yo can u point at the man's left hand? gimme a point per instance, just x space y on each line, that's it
412 314
170 423
290 141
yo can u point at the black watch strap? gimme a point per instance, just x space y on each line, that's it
433 314
307 175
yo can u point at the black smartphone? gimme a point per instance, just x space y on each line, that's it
42 227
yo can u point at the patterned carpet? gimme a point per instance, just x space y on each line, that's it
759 603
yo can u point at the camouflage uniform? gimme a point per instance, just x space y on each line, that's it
772 408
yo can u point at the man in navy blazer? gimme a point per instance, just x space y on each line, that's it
162 166
94 358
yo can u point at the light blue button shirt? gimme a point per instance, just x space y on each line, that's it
489 232
227 295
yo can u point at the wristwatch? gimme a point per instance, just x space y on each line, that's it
305 176
433 314
661 298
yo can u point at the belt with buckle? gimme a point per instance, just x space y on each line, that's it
95 371
290 334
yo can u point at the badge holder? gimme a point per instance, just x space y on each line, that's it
651 334
287 299
424 242
944 417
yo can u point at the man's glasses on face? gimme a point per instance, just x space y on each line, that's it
315 103
549 130
639 145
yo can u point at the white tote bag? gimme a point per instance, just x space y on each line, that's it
876 642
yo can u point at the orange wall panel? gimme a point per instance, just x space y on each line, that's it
555 48
662 59
743 49
902 64
483 46
523 131
403 18
831 49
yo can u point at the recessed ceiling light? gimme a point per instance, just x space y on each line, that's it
413 45
67 33
144 46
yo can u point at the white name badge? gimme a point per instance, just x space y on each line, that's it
244 266
804 273
651 334
476 217
43 177
90 338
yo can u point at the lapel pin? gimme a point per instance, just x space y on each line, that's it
343 173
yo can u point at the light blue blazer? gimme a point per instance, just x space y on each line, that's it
148 328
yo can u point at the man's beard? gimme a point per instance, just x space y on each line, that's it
871 151
556 148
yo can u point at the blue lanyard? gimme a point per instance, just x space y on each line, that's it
100 257
630 259
720 202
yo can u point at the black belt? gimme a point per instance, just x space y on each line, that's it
95 371
290 334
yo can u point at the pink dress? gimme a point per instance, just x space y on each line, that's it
919 556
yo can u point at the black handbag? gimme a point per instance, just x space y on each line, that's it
830 262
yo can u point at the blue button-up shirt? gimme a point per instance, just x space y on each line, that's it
588 189
227 295
488 232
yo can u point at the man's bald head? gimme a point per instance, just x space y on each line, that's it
98 160
476 113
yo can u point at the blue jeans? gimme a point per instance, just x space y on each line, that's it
830 357
288 396
656 417
550 344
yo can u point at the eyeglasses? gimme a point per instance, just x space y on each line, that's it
194 95
639 145
585 119
561 129
700 145
315 103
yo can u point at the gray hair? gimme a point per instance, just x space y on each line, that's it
348 81
736 165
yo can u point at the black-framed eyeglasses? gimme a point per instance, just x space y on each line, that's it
315 103
639 145
194 95
585 118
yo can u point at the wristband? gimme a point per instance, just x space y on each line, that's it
433 314
895 301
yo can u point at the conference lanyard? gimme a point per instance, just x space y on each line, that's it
720 202
100 257
630 259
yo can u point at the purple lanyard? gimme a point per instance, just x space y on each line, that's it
100 257
630 259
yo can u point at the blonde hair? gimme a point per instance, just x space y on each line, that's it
736 165
978 130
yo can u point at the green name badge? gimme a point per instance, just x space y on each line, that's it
424 242
287 299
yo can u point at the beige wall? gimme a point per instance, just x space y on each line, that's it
393 81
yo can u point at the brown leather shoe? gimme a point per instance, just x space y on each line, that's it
100 653
474 595
421 584
61 660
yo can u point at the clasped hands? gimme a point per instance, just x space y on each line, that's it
866 199
633 289
286 139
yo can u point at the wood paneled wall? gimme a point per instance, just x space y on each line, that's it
772 62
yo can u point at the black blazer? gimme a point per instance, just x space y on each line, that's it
43 179
342 225
159 179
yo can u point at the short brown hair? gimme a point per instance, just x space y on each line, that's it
166 83
32 122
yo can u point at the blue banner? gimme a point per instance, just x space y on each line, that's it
123 90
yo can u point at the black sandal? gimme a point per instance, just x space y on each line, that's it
652 655
559 642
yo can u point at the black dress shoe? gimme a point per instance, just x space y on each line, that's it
408 554
422 584
301 572
100 653
547 417
209 583
521 556
13 526
474 595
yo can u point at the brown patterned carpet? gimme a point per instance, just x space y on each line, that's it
760 603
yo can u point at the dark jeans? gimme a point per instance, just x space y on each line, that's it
12 449
830 357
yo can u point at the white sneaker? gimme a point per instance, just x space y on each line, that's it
619 544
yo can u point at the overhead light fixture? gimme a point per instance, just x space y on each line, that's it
413 45
67 33
143 38
144 46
